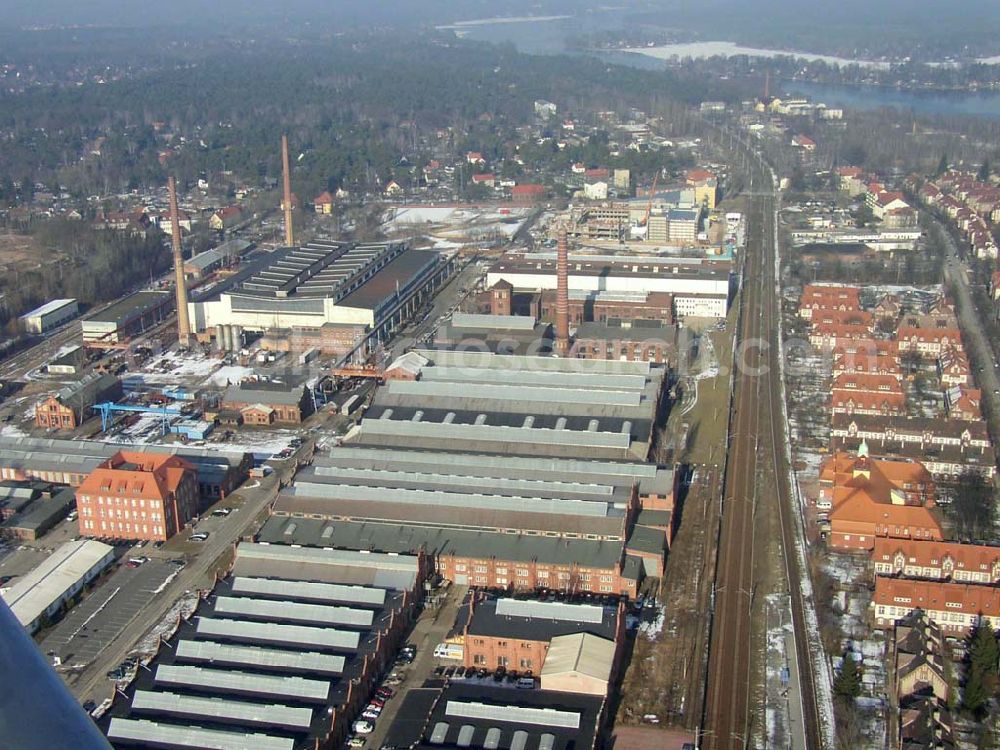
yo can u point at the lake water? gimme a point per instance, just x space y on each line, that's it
550 36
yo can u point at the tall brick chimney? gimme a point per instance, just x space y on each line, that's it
287 172
562 295
183 324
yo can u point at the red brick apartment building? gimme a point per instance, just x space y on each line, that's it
142 496
870 498
954 607
940 561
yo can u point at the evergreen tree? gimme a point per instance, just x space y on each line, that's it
942 165
983 175
983 663
847 685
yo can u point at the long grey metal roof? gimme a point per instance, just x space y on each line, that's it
649 476
293 611
172 735
260 658
494 433
575 380
273 714
325 557
310 590
243 682
271 632
443 357
525 504
482 390
546 717
406 539
550 610
490 485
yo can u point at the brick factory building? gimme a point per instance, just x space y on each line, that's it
70 461
485 559
284 653
69 407
262 402
141 496
517 633
128 317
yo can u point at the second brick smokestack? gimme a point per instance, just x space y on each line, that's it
287 200
183 324
562 295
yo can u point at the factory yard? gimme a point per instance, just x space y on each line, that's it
90 626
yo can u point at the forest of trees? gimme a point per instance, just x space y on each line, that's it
352 109
87 264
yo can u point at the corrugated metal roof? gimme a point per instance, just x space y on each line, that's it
35 592
314 590
171 735
508 322
212 708
293 611
580 652
484 388
494 433
443 357
326 557
563 380
243 682
550 610
271 632
254 656
452 499
545 717
499 485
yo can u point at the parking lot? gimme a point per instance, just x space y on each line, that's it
18 559
78 638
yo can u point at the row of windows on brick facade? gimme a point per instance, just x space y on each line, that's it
523 572
122 501
135 515
110 527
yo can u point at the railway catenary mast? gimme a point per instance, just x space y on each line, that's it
183 324
287 201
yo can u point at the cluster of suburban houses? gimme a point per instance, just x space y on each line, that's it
879 488
973 206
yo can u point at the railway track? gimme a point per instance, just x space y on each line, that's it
756 464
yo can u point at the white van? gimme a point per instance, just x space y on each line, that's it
449 651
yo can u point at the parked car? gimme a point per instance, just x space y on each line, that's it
363 727
356 741
201 536
385 693
369 715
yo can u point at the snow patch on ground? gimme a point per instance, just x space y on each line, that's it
229 375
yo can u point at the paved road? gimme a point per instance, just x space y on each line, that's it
94 623
92 683
447 298
430 629
973 335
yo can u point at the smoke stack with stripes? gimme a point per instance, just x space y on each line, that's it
183 324
562 295
287 172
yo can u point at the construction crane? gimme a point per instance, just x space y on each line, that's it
652 194
108 408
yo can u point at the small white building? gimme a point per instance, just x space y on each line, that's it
50 315
40 594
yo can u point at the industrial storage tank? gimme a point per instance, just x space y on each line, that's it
219 343
237 338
